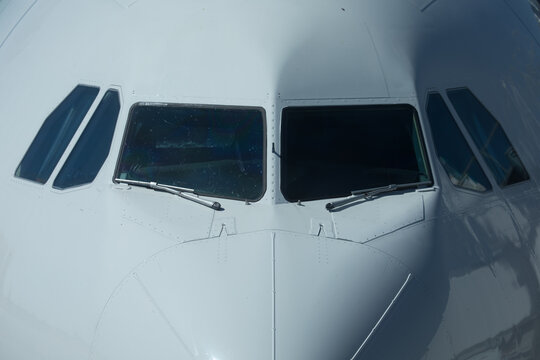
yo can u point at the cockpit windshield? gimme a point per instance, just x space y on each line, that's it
217 151
332 151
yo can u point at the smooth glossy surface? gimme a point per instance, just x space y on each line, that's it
489 137
453 152
330 152
216 151
92 148
55 134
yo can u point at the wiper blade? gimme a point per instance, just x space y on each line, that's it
368 194
185 193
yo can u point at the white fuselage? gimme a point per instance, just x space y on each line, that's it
108 270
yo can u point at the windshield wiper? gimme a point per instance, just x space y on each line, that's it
188 194
368 194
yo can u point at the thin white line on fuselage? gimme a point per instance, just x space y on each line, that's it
383 316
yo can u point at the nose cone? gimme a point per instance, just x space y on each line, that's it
256 296
330 295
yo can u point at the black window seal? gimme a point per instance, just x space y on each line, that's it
261 109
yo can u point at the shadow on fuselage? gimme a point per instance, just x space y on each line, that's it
413 321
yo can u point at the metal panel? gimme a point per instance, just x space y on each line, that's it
369 220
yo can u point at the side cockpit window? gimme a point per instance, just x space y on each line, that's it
453 151
489 137
211 150
55 135
333 151
92 148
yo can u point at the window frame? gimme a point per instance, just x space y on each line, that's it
261 109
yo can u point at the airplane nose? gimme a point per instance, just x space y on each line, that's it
331 296
265 295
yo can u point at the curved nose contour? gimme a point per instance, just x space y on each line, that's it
261 296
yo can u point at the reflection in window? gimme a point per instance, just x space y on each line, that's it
90 152
489 137
55 134
213 150
535 5
453 151
330 151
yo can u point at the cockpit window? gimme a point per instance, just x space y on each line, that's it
92 148
331 151
216 151
453 150
490 138
55 135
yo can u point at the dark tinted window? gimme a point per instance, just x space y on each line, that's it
453 150
330 151
489 137
55 134
90 152
213 150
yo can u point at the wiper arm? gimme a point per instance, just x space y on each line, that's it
188 194
368 194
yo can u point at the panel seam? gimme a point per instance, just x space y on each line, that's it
383 316
17 23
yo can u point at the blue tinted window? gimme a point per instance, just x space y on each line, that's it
453 150
214 150
90 152
55 134
489 137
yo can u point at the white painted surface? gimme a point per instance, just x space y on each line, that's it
107 272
